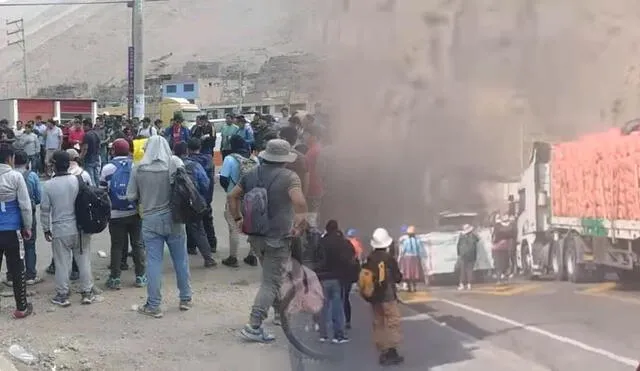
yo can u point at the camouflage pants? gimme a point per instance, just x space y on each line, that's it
387 333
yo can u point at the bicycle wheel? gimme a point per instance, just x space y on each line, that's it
298 327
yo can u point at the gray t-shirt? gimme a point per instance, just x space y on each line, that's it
278 181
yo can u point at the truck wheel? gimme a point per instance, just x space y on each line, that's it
575 272
629 277
525 260
556 265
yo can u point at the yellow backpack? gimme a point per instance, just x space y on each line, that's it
138 149
371 279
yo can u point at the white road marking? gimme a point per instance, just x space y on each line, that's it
563 339
417 317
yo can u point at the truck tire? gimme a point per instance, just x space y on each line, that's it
575 272
556 264
629 277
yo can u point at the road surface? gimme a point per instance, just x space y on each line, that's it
523 326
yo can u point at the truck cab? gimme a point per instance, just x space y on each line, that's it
533 211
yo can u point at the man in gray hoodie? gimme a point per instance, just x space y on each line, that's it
58 219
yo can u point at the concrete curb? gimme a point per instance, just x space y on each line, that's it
6 365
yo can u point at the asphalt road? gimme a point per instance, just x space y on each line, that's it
521 326
557 325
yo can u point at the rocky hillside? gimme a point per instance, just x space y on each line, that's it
89 43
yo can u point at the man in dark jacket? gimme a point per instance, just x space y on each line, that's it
206 133
206 161
196 235
467 255
176 133
336 255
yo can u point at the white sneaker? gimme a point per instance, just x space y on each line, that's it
460 287
468 286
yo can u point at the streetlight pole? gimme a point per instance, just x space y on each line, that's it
138 63
21 42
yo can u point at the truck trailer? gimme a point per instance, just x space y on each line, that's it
579 209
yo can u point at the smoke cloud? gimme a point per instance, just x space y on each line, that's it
431 98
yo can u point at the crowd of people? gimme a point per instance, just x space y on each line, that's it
277 167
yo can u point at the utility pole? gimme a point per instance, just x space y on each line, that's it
20 42
138 52
241 80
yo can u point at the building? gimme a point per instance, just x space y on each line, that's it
187 89
25 109
266 105
202 91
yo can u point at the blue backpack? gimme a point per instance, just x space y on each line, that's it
118 182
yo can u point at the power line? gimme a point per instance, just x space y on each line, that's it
19 23
92 2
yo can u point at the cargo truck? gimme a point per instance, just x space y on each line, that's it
572 223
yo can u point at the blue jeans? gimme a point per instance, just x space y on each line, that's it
158 229
333 309
93 169
34 161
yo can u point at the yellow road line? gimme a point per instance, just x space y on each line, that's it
507 290
414 297
602 287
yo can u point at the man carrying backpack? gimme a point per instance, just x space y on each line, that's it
273 210
377 283
124 225
195 146
196 236
234 167
58 219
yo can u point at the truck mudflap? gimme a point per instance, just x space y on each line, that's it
442 251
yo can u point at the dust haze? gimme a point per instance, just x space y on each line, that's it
429 98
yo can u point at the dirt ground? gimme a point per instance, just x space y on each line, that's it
109 335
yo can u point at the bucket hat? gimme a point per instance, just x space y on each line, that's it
278 151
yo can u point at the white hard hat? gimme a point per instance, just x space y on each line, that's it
381 239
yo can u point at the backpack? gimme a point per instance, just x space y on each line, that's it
118 182
187 204
372 280
246 164
301 289
92 208
255 208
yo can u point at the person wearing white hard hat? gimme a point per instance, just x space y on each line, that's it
387 332
467 255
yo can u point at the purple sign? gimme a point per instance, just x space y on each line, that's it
130 77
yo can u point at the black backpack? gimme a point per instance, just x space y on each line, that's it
92 207
187 205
